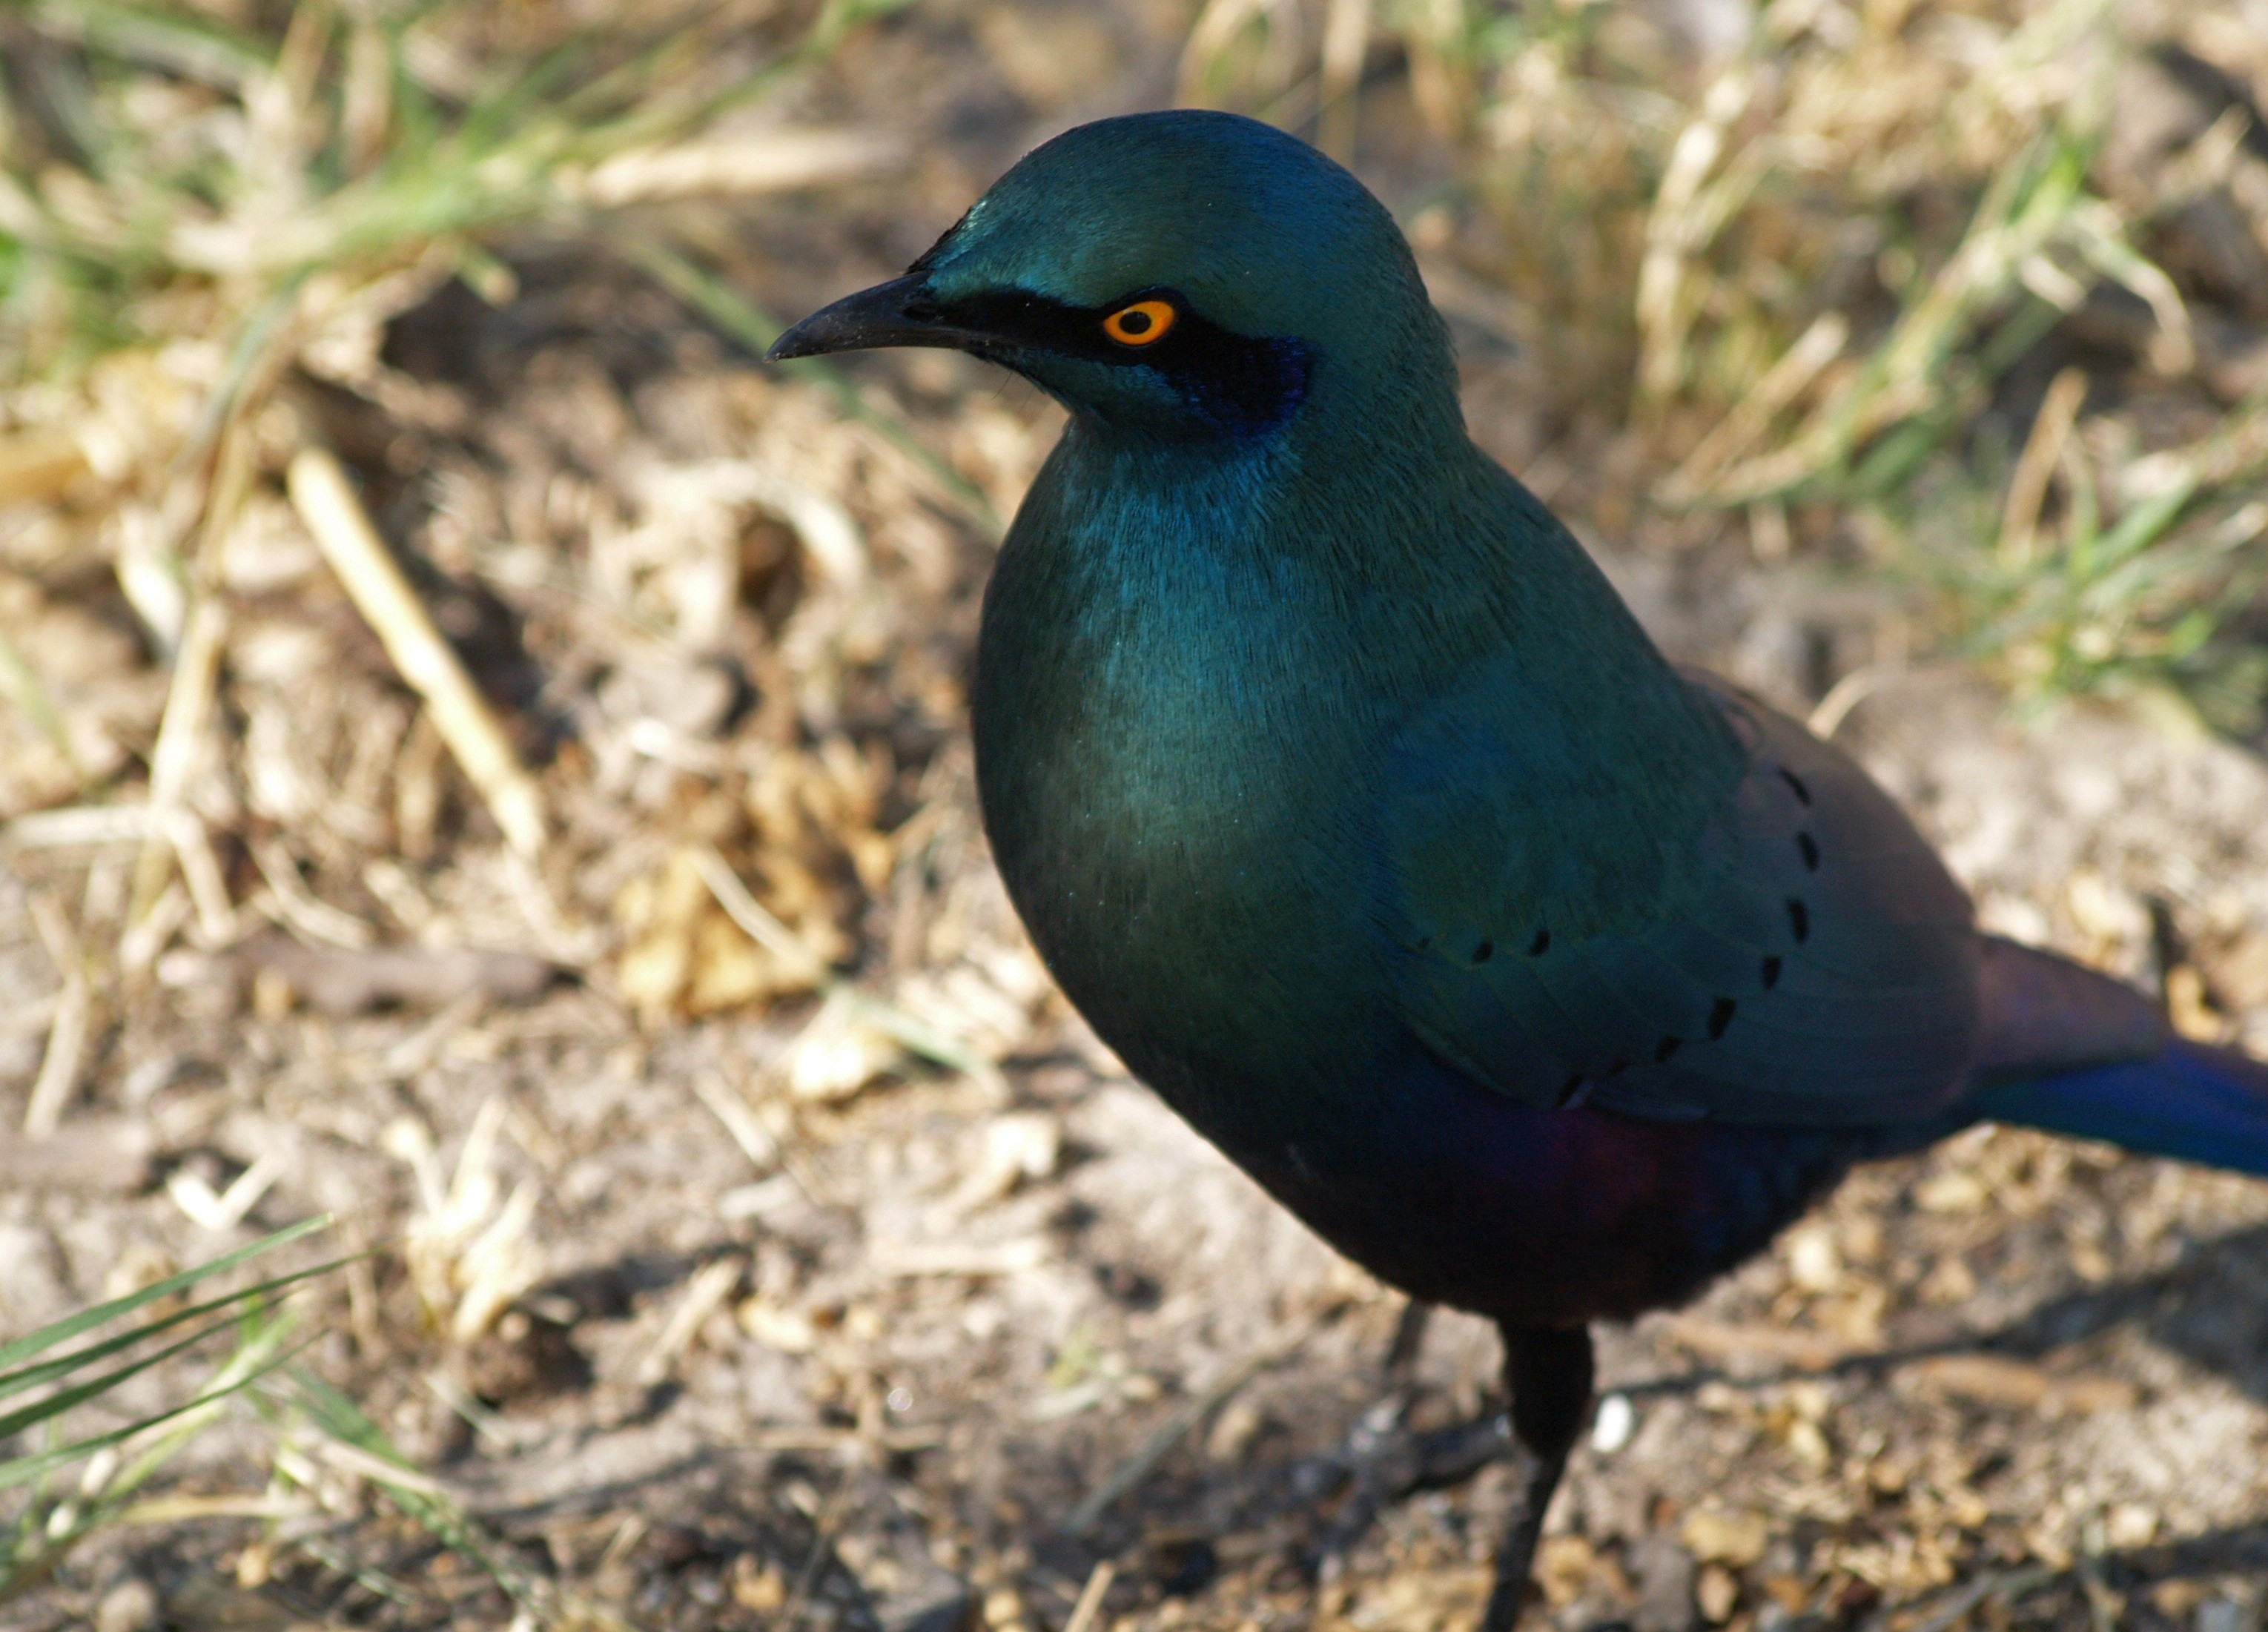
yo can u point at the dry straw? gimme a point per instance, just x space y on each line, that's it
426 663
1803 262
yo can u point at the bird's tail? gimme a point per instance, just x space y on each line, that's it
2189 1101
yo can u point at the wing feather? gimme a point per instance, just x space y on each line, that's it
1803 956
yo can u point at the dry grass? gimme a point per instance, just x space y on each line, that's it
479 756
1814 278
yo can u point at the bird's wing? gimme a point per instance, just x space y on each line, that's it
1796 952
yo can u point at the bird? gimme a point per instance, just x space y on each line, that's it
1339 790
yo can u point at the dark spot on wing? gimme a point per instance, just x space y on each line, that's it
1484 951
1771 973
1799 919
1720 1016
1542 945
1809 847
1665 1048
1795 785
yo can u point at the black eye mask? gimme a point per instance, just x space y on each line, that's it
1235 384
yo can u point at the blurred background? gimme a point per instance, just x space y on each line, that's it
523 1103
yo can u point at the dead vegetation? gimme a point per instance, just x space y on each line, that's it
1965 295
483 759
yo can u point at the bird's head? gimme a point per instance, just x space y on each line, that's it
1184 275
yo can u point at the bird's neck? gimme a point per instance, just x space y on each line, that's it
1361 562
1349 507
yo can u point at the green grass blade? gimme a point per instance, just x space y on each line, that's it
2139 527
49 1370
177 41
24 1470
63 1331
2086 521
340 1418
55 1404
258 1352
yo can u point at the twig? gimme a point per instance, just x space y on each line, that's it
785 161
969 1259
823 1526
2000 1584
705 1293
224 1210
373 1580
1676 229
916 1036
1166 1435
71 826
426 663
754 1140
755 920
1346 38
174 1509
1859 685
181 733
197 663
413 1053
763 1198
298 907
619 1546
59 1067
1805 1351
2103 1605
1752 415
494 1430
2028 488
192 852
1085 1613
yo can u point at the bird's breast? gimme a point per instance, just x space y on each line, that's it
1173 763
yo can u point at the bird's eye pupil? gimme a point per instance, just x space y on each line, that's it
1144 322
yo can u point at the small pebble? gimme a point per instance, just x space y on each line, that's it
130 1606
2224 1614
1612 1427
1665 1579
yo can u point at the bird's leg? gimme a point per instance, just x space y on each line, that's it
1548 1372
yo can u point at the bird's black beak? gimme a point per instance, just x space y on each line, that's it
901 312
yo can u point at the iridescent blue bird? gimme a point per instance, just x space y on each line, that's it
1346 799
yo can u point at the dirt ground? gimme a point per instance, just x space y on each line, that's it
721 1302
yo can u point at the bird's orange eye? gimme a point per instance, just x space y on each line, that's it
1145 323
